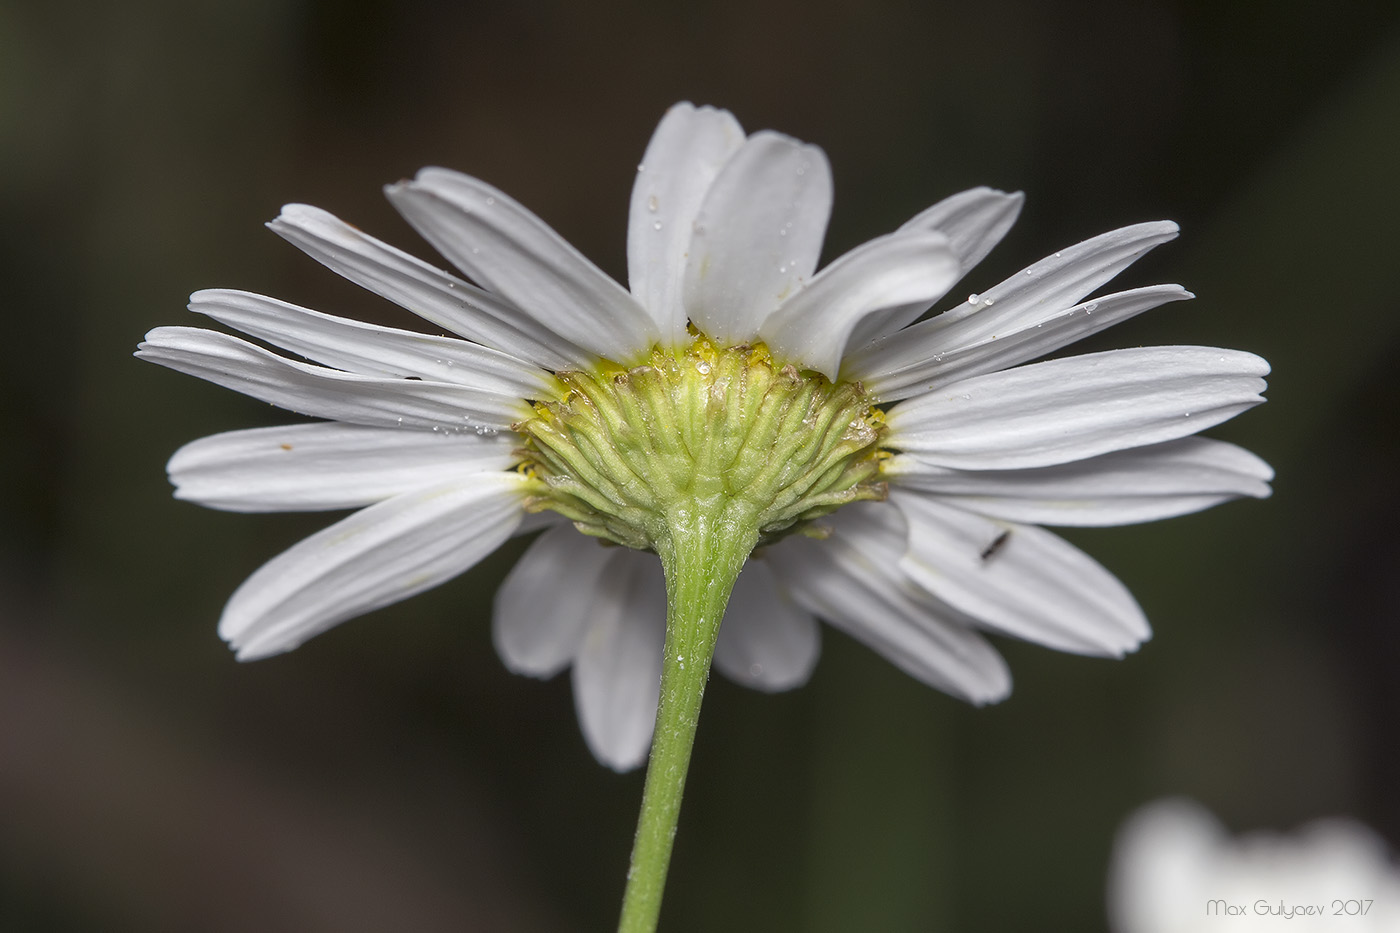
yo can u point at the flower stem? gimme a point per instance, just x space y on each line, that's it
702 552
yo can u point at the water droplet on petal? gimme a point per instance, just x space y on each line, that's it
490 201
652 204
656 225
1091 307
641 167
973 298
989 301
703 367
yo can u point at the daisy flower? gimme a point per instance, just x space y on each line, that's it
1174 864
734 409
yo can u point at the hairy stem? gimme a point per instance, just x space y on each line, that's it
702 552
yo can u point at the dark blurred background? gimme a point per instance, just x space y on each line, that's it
391 774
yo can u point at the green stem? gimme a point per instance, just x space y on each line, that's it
702 552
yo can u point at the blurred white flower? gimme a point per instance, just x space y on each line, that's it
913 528
1175 869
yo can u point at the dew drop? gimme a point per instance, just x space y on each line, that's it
973 298
641 167
1057 255
476 250
656 225
989 301
782 232
651 204
490 201
400 420
703 367
1091 307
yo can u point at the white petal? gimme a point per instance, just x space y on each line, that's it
853 580
617 674
327 393
311 467
974 221
369 349
1172 857
546 602
896 271
1070 409
686 152
379 555
757 236
510 251
1028 297
435 296
765 642
1059 280
1120 488
1019 580
918 360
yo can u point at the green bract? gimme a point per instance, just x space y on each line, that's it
725 432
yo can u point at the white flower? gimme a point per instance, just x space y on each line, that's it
1176 870
425 434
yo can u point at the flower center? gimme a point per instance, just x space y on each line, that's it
701 430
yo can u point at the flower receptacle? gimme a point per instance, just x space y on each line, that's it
724 432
